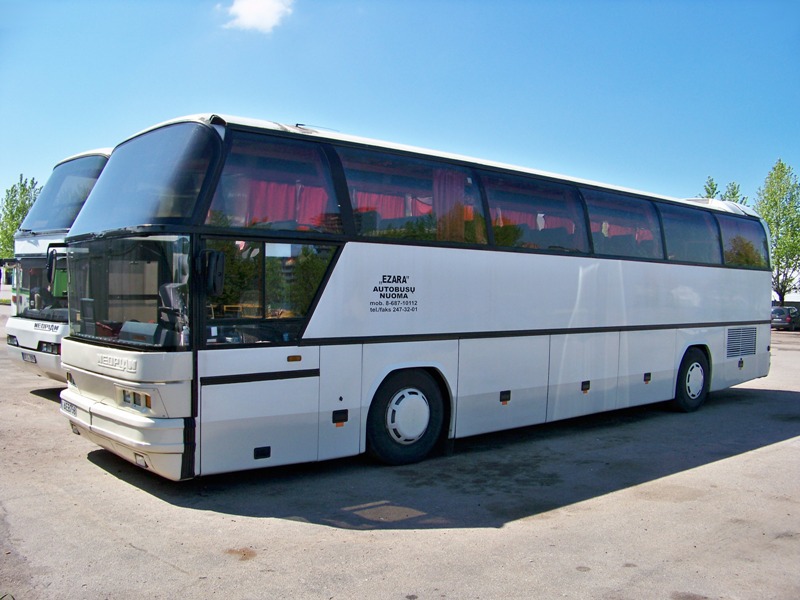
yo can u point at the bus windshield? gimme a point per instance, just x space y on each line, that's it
132 291
35 296
63 195
154 178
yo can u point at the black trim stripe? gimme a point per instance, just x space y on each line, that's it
252 377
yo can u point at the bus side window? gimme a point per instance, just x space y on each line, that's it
529 213
691 234
744 242
276 184
407 198
623 226
268 290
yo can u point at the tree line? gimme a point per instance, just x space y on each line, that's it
777 201
17 202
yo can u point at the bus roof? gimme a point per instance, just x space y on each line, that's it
300 129
96 152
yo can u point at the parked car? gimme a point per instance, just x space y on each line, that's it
785 317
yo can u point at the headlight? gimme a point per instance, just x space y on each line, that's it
134 398
49 348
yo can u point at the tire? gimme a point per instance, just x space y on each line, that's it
694 379
405 419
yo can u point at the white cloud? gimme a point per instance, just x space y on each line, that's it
261 15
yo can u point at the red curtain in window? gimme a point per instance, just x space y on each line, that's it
504 216
387 206
448 203
271 202
311 205
421 207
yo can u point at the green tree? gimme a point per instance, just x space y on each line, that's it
733 193
18 201
710 189
778 203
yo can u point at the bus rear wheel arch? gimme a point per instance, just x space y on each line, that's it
406 417
693 381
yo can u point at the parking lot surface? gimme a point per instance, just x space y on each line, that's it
634 504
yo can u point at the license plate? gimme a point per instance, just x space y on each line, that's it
27 357
69 408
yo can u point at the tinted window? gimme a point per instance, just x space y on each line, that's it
407 198
153 178
744 242
528 213
131 291
277 184
691 235
64 194
623 226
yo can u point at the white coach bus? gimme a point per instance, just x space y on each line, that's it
246 294
39 322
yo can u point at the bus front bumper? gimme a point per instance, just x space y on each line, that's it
39 363
153 444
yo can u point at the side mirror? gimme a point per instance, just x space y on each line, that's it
214 271
51 266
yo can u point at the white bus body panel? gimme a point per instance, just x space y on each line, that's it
646 367
29 332
738 369
583 374
340 390
447 291
36 245
502 383
279 416
392 290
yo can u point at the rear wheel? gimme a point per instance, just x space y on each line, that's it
694 378
405 418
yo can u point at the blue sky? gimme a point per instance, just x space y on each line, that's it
653 95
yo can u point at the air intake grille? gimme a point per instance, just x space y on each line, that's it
741 341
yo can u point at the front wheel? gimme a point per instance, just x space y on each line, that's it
694 379
405 418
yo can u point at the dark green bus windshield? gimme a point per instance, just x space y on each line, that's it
154 178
